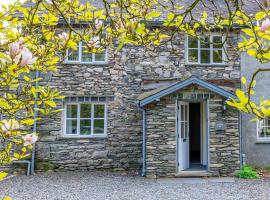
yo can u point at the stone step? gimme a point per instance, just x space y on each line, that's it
193 174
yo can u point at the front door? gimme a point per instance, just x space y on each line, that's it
183 140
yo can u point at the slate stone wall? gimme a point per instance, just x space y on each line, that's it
161 138
223 145
125 77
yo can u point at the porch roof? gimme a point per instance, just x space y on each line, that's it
148 97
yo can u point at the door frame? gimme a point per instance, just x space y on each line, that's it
205 114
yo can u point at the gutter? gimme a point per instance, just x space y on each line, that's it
143 172
34 126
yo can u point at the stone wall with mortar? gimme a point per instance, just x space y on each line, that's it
127 75
224 152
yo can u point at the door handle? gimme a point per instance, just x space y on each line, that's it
184 140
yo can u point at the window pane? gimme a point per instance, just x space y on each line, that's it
264 129
71 126
86 55
217 56
73 55
205 43
99 111
71 111
85 110
217 42
205 56
192 42
193 56
101 56
85 127
99 126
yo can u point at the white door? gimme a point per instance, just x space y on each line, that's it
183 135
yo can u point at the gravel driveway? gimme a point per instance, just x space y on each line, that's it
91 186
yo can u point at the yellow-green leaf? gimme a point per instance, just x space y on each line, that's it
51 103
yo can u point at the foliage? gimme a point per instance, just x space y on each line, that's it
36 38
247 172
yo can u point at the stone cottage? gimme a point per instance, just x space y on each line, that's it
161 111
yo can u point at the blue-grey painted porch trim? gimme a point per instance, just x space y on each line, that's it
190 81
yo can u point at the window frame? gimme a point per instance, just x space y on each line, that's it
259 126
79 61
211 51
92 134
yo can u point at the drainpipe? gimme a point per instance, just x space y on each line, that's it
240 139
143 172
34 126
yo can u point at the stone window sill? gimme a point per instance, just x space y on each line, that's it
82 63
262 141
83 137
206 65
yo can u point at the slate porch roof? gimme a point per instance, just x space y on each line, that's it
150 96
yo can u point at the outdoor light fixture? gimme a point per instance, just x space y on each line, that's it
224 106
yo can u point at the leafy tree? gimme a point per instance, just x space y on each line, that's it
34 39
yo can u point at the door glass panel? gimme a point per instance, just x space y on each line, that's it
182 112
182 130
186 129
186 118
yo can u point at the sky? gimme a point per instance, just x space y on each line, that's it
6 2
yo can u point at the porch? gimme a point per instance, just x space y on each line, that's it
190 131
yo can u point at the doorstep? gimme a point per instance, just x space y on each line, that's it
193 174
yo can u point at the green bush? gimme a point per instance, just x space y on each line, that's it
247 172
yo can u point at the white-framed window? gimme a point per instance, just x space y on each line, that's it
263 129
85 119
205 50
81 55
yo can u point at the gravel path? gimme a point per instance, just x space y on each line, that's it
91 186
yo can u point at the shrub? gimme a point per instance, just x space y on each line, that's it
247 172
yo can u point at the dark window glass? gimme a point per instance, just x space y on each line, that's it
85 127
85 110
217 42
205 56
99 126
71 111
99 111
192 42
193 55
217 56
71 126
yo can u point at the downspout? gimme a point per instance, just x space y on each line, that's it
35 125
240 139
143 172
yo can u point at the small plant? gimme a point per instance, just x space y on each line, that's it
247 172
267 169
